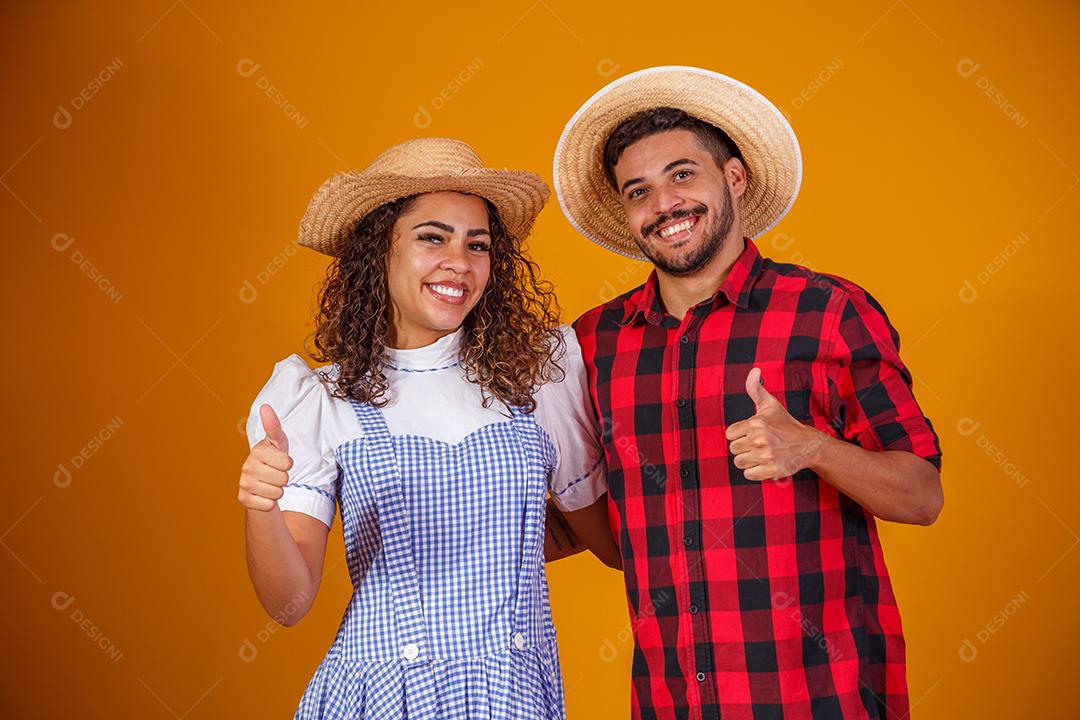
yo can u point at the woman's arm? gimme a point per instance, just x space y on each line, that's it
570 532
285 550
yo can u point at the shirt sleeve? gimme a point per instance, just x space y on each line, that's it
877 408
305 407
564 411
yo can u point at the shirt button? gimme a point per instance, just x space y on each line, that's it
680 402
684 473
519 641
410 651
684 339
701 677
688 541
693 609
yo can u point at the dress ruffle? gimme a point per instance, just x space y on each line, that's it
512 685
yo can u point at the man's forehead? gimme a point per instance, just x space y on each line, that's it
658 152
663 147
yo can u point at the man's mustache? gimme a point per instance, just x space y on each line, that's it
649 229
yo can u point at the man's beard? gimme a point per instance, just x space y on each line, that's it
710 245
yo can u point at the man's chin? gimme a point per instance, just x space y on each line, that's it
676 259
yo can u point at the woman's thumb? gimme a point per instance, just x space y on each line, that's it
272 426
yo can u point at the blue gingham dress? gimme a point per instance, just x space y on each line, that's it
449 616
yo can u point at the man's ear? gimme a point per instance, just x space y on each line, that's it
735 175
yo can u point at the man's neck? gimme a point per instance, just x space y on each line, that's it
679 293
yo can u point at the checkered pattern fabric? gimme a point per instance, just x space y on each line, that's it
450 615
752 600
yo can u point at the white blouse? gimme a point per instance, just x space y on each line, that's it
429 396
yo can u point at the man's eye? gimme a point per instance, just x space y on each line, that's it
683 173
633 194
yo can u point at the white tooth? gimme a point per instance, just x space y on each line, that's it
667 232
443 290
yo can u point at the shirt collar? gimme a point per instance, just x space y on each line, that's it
735 288
439 355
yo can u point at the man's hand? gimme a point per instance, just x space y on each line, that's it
771 444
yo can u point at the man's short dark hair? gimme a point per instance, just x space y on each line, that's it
663 119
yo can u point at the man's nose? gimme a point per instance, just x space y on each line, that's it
666 200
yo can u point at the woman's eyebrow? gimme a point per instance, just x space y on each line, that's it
450 228
436 223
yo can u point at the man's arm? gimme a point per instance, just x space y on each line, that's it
569 532
892 484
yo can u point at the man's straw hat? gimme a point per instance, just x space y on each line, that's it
762 134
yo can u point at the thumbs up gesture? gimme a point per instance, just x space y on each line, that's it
771 444
266 469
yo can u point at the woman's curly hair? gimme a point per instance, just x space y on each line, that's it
510 346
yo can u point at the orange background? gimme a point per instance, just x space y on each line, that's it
152 279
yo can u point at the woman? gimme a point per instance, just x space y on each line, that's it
453 405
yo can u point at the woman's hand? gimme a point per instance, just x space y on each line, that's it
568 533
285 550
265 471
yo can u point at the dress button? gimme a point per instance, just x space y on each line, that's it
410 651
519 641
701 677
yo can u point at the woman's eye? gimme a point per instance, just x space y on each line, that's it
480 247
432 238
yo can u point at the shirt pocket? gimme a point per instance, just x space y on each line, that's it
802 393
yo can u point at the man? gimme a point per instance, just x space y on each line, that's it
756 416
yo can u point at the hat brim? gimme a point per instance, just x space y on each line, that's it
345 198
761 132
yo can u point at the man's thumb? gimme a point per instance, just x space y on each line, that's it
755 388
272 426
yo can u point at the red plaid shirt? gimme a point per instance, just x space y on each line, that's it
752 599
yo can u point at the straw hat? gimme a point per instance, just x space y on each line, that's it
418 166
762 134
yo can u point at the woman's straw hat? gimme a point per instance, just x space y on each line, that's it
762 134
413 167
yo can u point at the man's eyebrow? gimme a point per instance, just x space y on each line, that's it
682 161
667 168
436 223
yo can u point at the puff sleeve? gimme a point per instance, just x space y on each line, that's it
564 410
305 407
